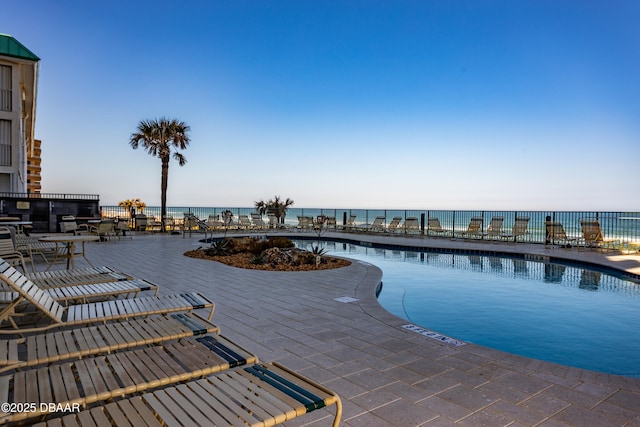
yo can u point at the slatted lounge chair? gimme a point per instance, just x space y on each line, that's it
244 222
557 236
82 314
630 248
394 224
213 222
169 223
91 292
141 222
68 224
189 223
258 222
305 223
520 228
105 230
494 230
8 250
331 222
264 394
154 224
31 246
474 229
76 343
593 237
123 230
411 225
376 225
99 378
273 220
228 221
320 222
192 223
78 276
434 227
351 223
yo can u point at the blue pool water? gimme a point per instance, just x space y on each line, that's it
558 313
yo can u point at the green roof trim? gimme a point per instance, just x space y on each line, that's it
12 47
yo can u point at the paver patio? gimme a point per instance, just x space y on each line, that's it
385 375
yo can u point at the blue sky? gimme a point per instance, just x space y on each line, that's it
518 105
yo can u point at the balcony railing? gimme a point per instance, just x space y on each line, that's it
58 196
5 100
624 226
5 154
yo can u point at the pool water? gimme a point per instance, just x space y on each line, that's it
558 313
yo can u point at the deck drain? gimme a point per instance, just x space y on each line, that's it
346 299
434 335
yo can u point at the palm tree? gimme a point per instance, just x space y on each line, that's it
126 205
276 206
158 137
139 205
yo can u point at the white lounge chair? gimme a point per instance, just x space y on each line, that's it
474 229
258 222
45 306
263 394
520 228
435 228
593 237
102 378
394 224
411 225
351 223
494 231
556 235
244 222
9 252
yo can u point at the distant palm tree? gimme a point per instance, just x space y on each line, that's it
276 206
126 205
158 137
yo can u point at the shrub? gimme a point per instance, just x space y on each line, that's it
252 245
258 259
219 248
317 250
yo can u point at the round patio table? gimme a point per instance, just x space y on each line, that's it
69 252
19 225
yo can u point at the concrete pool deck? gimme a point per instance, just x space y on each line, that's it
384 374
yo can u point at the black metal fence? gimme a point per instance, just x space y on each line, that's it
624 226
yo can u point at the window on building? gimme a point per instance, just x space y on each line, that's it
5 142
5 88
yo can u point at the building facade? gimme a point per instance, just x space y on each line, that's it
34 180
19 150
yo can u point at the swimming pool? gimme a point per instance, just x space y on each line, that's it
554 312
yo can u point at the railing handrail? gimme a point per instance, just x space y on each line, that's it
52 196
621 225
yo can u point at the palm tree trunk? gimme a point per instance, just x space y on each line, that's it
163 191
